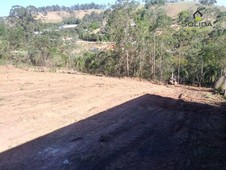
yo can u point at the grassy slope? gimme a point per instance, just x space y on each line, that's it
173 9
57 16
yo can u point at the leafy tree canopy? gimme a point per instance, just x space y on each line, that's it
207 2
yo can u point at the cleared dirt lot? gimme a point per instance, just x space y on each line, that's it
65 121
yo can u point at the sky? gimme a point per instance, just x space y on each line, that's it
5 6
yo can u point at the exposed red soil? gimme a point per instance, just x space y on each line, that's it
75 121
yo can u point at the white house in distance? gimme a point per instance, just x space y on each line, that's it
175 1
68 26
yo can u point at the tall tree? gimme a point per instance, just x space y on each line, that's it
149 3
207 2
120 26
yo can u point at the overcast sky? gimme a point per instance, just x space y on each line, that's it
5 6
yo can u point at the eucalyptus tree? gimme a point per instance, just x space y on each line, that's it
23 17
3 40
149 3
22 20
207 2
120 27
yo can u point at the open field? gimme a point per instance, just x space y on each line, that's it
58 16
75 121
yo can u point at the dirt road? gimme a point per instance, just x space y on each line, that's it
65 121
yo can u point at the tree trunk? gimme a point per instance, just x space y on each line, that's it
161 61
178 70
127 52
224 86
201 78
127 62
141 64
221 84
154 60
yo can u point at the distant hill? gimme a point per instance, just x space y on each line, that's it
172 9
58 16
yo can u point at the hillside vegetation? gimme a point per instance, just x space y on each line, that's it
172 10
153 41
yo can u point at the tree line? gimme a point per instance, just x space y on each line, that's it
45 9
147 43
162 2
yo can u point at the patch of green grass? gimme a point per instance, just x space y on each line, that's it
198 19
208 96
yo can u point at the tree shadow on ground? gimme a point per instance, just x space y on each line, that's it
149 132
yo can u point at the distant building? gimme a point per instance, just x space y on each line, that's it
175 1
68 26
37 33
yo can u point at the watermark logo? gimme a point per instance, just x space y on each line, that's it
198 16
198 21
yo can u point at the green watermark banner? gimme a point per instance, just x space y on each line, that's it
198 21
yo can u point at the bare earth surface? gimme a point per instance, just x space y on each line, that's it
58 16
75 121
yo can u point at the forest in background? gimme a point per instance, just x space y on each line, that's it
148 43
